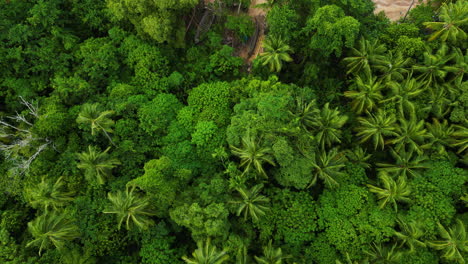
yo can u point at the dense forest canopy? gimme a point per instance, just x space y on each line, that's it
186 131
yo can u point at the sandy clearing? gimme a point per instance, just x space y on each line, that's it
394 9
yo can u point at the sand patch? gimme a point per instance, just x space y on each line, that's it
395 9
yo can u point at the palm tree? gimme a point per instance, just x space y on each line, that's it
250 202
349 261
253 155
207 254
131 209
460 68
393 67
377 127
75 256
327 124
392 191
403 93
327 166
439 101
405 164
453 16
460 137
97 165
52 229
275 52
439 135
410 133
410 234
98 120
242 256
367 95
47 195
384 255
359 156
453 243
367 54
433 70
271 255
304 112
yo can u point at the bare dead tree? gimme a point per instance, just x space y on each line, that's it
17 135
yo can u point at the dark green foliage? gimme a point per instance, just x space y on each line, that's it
158 247
339 136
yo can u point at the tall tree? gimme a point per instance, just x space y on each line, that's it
253 155
406 164
99 120
393 67
271 255
403 94
368 53
327 166
453 17
460 138
367 94
411 134
327 125
251 202
384 255
96 165
376 126
439 134
52 229
130 208
454 242
276 51
433 70
410 234
392 191
207 254
48 195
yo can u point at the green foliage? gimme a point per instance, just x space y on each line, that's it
156 115
377 127
242 25
283 21
327 125
366 55
384 254
157 20
160 182
454 242
392 190
97 165
99 120
351 220
131 208
327 166
250 202
157 247
253 155
454 17
203 222
275 52
410 235
271 255
375 109
52 229
48 195
331 30
367 95
207 254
